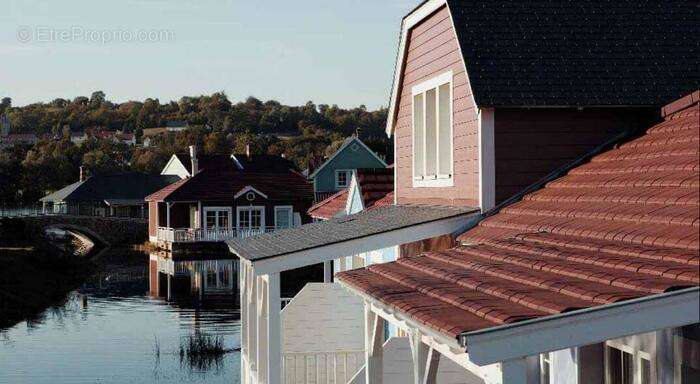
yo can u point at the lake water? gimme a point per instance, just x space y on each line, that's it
113 330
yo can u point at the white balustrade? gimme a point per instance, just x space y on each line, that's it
191 235
336 367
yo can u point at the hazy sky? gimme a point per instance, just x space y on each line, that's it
331 51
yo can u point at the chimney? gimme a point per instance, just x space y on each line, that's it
195 161
82 173
247 150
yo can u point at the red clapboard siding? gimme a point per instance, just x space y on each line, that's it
530 143
432 50
152 218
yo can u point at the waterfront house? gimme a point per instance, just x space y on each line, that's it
335 173
220 197
120 195
490 103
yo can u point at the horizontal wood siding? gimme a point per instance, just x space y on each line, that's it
530 143
432 50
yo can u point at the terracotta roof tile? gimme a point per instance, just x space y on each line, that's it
623 226
330 207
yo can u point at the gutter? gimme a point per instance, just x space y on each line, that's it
572 329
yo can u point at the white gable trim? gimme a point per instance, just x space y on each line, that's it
341 149
235 161
410 21
352 189
248 189
175 167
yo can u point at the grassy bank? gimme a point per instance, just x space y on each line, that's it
33 275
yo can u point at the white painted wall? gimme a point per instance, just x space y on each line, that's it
323 317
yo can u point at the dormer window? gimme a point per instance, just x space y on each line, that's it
432 132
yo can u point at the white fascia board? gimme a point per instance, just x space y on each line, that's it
236 162
583 327
293 260
248 189
408 22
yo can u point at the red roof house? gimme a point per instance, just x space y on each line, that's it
608 250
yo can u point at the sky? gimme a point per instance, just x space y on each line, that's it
329 51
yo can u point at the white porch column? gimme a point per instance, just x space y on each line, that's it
252 324
327 272
262 330
274 330
243 303
199 223
167 215
425 360
374 337
516 371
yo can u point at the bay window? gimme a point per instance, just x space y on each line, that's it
432 132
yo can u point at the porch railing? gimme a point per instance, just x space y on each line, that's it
321 367
193 235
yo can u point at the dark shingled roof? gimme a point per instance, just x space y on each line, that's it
621 227
579 53
363 224
268 163
124 186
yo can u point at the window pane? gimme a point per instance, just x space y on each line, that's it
223 219
341 178
445 134
645 371
256 218
418 135
431 132
283 218
615 365
244 219
627 368
211 219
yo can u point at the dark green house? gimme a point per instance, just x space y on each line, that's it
335 174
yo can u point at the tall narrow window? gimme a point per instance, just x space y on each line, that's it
620 366
432 132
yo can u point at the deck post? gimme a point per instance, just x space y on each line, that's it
327 272
243 303
252 324
425 360
374 337
199 223
274 330
167 215
262 330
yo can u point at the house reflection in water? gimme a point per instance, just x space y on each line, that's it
201 279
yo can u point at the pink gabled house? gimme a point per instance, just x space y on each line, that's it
490 102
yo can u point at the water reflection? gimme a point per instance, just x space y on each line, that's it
125 326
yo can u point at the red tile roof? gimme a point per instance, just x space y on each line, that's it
377 186
330 207
623 226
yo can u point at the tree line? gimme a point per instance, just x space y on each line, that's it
305 134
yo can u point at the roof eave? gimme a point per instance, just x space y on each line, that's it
573 329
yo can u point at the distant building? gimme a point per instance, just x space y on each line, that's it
335 173
170 127
107 195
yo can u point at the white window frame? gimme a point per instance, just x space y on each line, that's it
228 211
348 173
438 180
260 208
545 359
289 209
637 357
